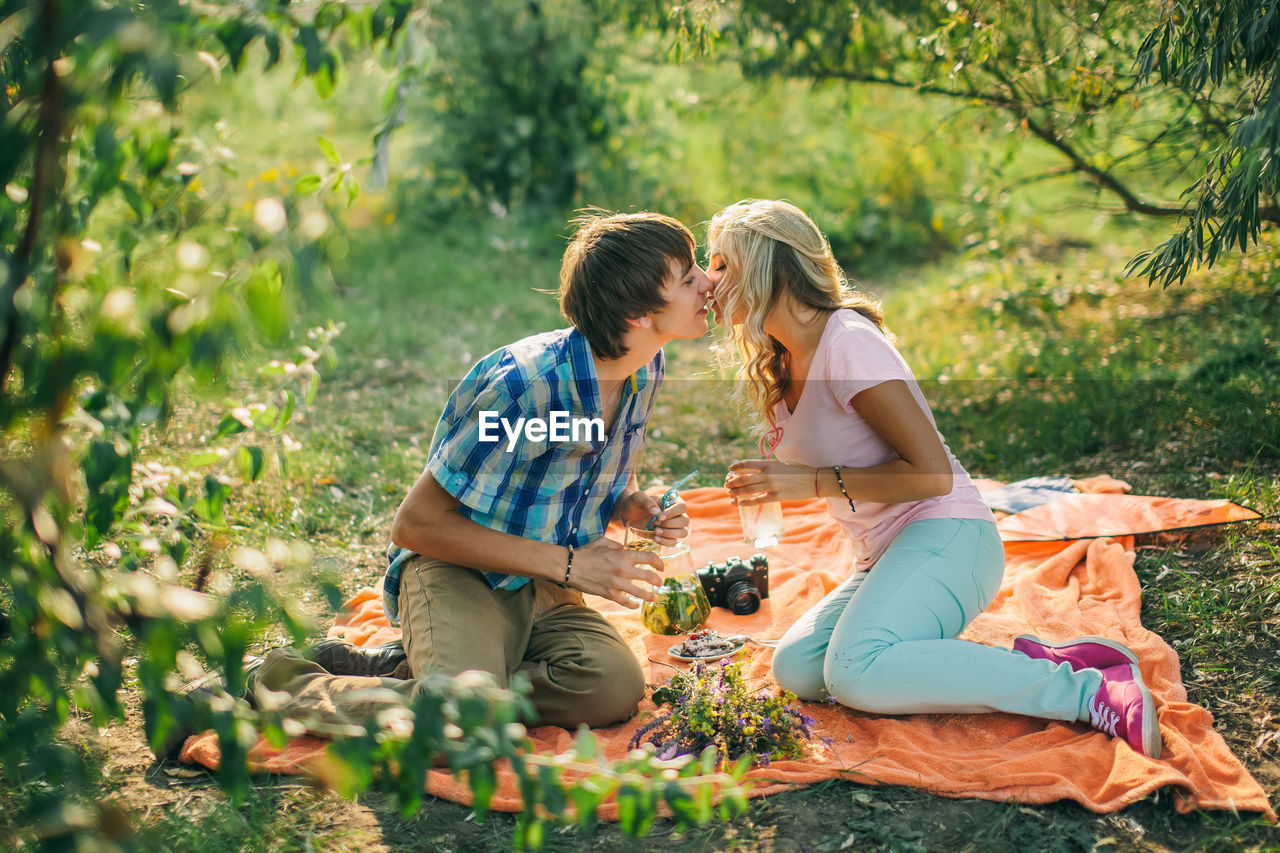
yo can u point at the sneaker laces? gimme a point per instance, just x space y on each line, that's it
1103 717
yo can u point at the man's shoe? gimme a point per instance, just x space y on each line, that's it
204 690
342 658
171 746
1123 708
1081 653
212 682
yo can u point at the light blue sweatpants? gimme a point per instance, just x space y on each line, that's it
884 640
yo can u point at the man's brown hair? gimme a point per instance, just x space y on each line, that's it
614 270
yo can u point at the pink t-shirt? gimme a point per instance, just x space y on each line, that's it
825 429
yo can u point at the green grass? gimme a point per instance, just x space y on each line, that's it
274 817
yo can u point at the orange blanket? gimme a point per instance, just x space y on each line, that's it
1058 584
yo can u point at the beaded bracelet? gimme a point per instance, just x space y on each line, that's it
568 566
840 482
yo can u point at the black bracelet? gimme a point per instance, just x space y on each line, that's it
840 482
568 566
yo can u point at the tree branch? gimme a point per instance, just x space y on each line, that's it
48 133
1101 177
927 88
1044 132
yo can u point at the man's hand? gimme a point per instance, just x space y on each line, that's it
758 481
638 507
605 568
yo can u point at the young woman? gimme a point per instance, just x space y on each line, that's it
845 420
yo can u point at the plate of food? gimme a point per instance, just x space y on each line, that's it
707 645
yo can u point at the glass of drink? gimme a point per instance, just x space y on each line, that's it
761 524
675 558
680 604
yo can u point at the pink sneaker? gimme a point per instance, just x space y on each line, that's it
1081 653
1123 708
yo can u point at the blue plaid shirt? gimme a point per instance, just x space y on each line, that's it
561 492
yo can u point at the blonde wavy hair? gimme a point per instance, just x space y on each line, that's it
771 248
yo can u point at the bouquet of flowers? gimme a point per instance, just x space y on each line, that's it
710 705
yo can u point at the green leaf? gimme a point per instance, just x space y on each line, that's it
533 837
265 417
703 799
707 761
529 832
155 154
629 809
229 425
127 239
252 461
552 793
326 78
273 368
307 184
201 458
210 507
267 301
107 474
333 594
286 412
584 744
587 795
275 736
137 202
483 784
235 37
680 802
329 151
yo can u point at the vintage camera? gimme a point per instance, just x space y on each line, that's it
736 585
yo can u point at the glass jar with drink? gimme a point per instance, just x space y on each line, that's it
680 604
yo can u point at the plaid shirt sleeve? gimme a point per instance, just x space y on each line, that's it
475 471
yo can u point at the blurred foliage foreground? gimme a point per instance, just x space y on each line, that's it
94 339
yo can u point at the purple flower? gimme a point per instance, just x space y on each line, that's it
713 707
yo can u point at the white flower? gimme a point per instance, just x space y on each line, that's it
269 215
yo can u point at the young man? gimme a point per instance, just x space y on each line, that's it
532 458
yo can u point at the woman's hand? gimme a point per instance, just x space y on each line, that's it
638 507
758 481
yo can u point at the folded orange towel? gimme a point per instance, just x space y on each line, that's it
1059 584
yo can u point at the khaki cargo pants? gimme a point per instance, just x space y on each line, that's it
580 668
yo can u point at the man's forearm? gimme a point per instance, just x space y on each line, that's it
463 542
428 523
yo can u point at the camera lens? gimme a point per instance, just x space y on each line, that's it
742 598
